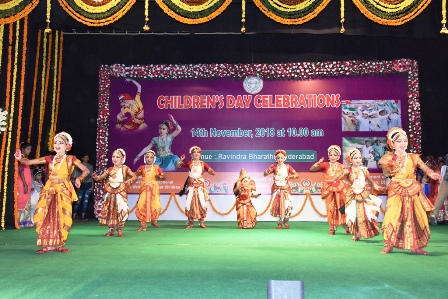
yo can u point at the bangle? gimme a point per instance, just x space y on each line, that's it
80 178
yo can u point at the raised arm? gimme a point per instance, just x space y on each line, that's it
269 170
139 87
176 125
18 156
143 151
315 166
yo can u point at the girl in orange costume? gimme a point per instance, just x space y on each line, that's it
405 224
245 211
281 190
115 208
24 186
197 193
333 189
148 204
53 216
362 208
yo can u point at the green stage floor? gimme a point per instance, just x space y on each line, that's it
221 261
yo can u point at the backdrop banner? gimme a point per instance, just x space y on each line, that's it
239 115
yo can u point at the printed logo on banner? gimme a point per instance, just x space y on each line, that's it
253 84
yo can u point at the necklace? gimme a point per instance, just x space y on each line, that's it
333 167
114 171
355 172
402 165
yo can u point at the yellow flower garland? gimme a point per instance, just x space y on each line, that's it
290 8
267 208
220 213
146 27
58 93
342 16
36 69
5 141
444 30
243 15
96 9
2 30
54 89
48 29
192 8
11 123
22 13
391 9
173 197
21 96
42 93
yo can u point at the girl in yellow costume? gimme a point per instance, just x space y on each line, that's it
281 190
405 224
115 208
245 211
362 208
148 204
53 216
333 189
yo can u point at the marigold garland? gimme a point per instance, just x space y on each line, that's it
21 95
173 197
42 92
146 26
59 80
267 208
96 14
220 213
392 13
243 15
178 205
297 13
444 30
14 10
33 97
47 76
11 123
48 29
308 195
342 16
6 140
2 30
52 129
184 12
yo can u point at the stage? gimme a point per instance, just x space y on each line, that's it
221 261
